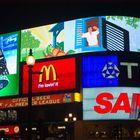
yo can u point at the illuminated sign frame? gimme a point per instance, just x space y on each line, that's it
111 103
9 79
53 69
126 70
41 100
10 129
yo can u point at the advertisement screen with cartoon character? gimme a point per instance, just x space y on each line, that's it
9 58
92 34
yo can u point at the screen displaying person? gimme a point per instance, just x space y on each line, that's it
91 35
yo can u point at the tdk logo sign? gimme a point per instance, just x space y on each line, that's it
111 70
129 67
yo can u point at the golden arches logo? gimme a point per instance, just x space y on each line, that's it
47 70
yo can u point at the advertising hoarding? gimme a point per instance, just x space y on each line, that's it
100 71
108 33
9 59
55 75
123 104
10 129
37 100
109 70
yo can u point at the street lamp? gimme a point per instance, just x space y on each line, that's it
70 118
30 61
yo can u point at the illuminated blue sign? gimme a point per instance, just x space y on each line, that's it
100 71
9 42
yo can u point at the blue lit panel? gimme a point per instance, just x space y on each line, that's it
100 71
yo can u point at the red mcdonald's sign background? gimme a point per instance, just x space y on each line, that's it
57 75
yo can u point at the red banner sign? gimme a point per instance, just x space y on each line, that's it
10 130
55 75
37 100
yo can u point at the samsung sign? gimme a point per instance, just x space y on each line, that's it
111 103
111 70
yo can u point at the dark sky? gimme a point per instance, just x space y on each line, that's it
17 14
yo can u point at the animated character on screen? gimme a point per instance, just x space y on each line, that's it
91 35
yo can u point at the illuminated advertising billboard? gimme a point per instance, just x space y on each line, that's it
56 75
111 103
10 129
91 34
9 58
36 101
108 70
100 71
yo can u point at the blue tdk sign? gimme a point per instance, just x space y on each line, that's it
100 71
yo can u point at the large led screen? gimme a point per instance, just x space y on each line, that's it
55 75
9 58
108 70
91 34
100 71
111 103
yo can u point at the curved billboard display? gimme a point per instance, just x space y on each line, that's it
92 34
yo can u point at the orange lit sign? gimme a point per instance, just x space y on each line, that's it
37 100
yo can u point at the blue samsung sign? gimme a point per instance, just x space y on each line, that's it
100 71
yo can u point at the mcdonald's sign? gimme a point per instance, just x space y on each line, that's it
47 70
57 75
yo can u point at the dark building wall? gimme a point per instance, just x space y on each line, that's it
107 130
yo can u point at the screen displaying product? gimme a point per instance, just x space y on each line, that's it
9 59
91 34
55 75
111 103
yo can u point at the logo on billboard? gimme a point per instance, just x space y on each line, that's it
3 82
122 103
110 71
47 69
67 98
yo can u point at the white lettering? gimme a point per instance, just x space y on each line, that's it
46 85
129 68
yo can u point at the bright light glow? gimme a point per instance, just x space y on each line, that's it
70 115
77 97
61 127
66 119
34 128
74 119
30 60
